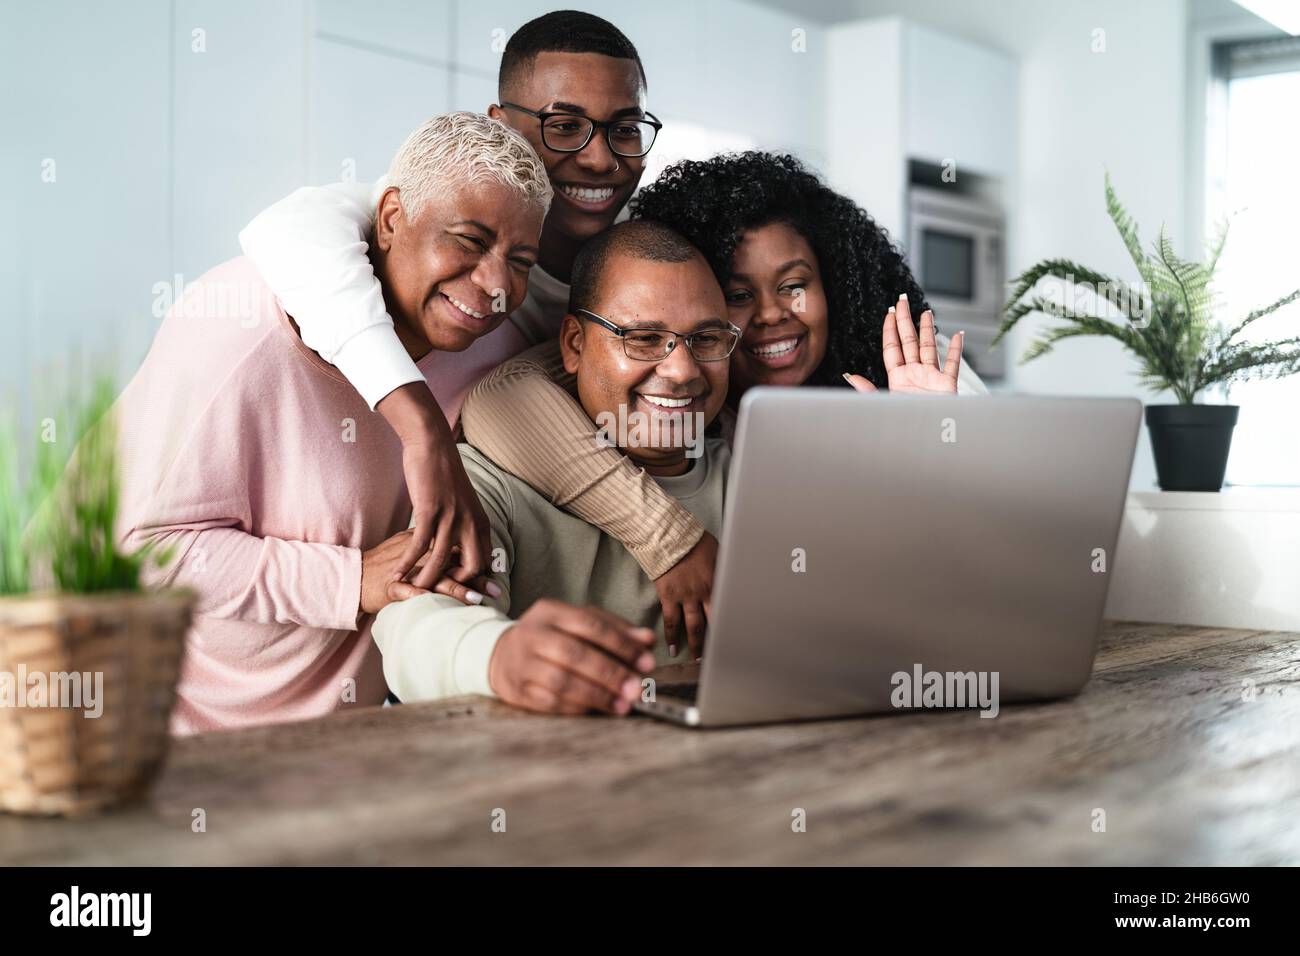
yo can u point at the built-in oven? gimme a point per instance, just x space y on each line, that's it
956 252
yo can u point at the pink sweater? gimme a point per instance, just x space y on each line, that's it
266 475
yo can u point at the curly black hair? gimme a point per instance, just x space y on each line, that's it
712 202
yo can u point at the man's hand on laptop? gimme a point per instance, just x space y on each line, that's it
685 591
912 361
561 659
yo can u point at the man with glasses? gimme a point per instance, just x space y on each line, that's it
639 428
575 625
574 86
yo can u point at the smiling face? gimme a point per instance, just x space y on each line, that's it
680 297
776 296
459 267
593 185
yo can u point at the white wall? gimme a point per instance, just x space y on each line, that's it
866 158
85 172
162 152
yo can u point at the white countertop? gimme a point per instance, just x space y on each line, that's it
1245 498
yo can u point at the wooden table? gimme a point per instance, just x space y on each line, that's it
1188 738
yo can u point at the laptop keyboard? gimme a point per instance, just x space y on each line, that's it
680 691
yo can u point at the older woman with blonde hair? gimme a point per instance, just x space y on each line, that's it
276 490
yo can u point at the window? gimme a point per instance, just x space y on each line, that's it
1252 174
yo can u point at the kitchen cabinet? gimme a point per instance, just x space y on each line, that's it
897 91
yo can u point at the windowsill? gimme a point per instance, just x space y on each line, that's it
1222 559
1276 500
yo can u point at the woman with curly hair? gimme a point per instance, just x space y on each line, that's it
807 276
819 318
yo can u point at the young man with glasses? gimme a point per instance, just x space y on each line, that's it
573 627
572 84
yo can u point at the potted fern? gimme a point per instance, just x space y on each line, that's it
88 658
1167 322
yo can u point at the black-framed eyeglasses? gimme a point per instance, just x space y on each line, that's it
655 345
571 132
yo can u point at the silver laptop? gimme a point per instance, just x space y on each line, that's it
873 542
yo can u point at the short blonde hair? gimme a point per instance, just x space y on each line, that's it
463 149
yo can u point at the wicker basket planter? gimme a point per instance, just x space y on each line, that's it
57 759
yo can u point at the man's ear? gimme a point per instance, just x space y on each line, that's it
388 217
510 118
571 333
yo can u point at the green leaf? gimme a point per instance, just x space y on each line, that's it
1242 362
1127 229
1260 313
1070 273
1082 326
75 500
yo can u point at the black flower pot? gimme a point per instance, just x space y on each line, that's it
1191 444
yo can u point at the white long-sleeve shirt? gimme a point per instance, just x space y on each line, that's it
311 248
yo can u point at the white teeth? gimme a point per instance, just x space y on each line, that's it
775 349
589 195
663 402
464 308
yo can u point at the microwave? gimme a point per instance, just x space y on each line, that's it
956 252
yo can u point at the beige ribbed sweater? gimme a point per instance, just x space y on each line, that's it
519 419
